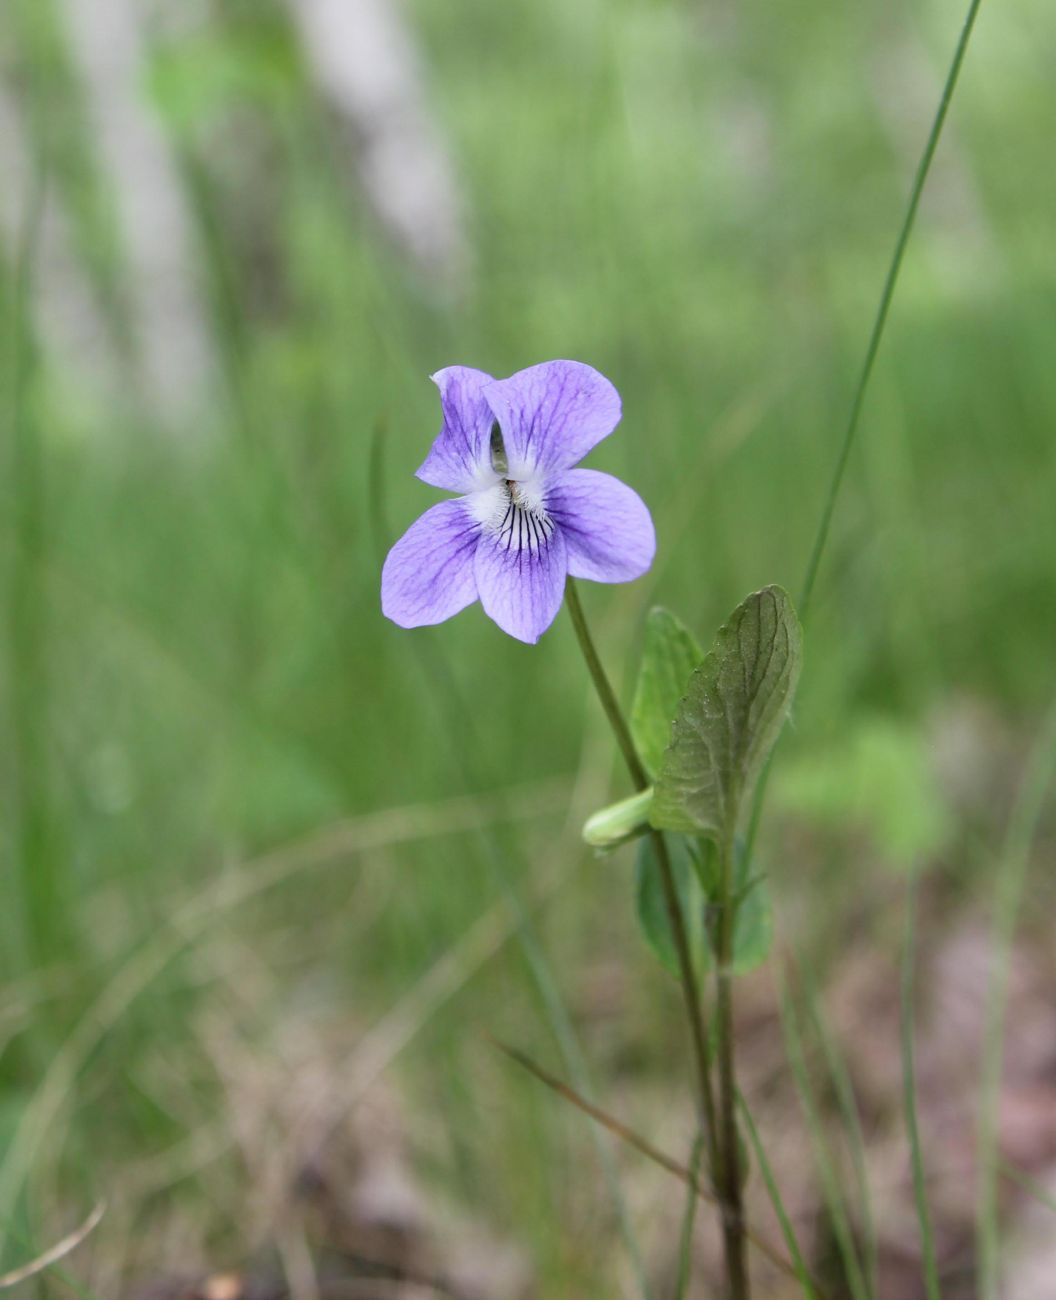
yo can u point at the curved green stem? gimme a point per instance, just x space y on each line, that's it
606 694
676 919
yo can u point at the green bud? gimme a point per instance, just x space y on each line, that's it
619 822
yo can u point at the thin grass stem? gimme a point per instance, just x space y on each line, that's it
774 1192
54 1269
832 1190
689 1218
644 1147
1030 1185
909 1094
880 320
887 293
844 1089
1011 881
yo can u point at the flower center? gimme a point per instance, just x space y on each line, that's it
512 508
524 523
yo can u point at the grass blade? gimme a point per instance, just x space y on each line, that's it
49 1258
643 1146
1030 1185
832 1190
887 293
909 1093
1011 879
852 1120
774 1192
880 320
685 1245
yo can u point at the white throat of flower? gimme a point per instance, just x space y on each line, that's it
510 503
513 510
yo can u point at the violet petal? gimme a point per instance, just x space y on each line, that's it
552 414
428 575
460 457
608 530
521 588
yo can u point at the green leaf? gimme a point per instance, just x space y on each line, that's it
753 930
652 907
619 822
669 656
730 717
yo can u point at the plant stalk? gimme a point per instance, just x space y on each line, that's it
606 694
687 974
733 1226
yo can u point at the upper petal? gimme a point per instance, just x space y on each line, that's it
461 454
552 414
607 527
428 574
521 581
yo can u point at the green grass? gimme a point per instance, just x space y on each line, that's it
1008 900
930 1266
194 668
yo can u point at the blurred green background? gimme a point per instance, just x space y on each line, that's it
698 199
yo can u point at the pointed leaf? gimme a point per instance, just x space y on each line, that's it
753 928
652 906
669 656
730 717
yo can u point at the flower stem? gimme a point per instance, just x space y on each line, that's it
733 1227
676 919
606 694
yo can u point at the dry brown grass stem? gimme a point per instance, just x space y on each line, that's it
57 1252
647 1149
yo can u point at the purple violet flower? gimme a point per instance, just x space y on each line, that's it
526 518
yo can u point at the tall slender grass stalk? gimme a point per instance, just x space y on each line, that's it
1030 1185
909 1094
1008 897
689 1218
880 320
887 293
807 591
852 1120
832 1190
776 1200
54 1270
644 1147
